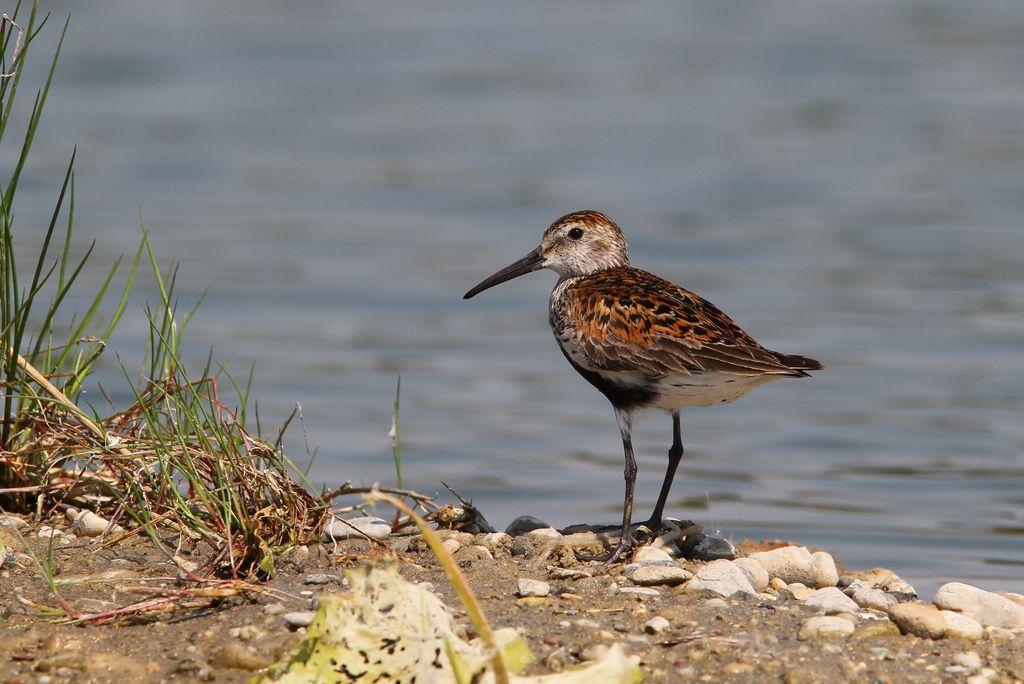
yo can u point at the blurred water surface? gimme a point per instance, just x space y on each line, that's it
845 181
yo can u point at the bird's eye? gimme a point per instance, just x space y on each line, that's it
575 233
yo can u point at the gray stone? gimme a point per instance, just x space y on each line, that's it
825 626
12 521
545 532
789 563
532 587
356 528
968 659
318 578
830 600
876 599
987 608
524 524
755 572
299 618
961 626
649 553
643 591
920 619
796 590
721 577
650 573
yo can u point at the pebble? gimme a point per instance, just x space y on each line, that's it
321 578
12 521
883 578
987 608
88 524
876 599
920 619
775 583
497 543
652 573
337 529
721 577
656 625
797 590
983 677
532 587
830 600
998 635
299 618
524 524
755 572
547 532
876 628
825 573
968 659
825 626
716 603
706 547
790 564
474 553
47 532
962 626
240 657
644 591
451 545
647 554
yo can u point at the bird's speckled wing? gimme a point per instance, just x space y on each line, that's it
628 320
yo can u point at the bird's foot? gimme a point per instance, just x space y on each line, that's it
638 536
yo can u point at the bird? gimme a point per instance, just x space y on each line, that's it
642 341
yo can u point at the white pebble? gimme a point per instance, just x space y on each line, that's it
532 587
969 659
986 607
830 601
721 577
656 625
876 599
962 626
789 563
825 626
356 528
755 572
825 573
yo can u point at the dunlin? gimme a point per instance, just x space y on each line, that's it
642 341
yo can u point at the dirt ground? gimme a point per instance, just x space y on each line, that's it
230 637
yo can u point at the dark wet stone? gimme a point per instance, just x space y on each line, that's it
524 524
708 548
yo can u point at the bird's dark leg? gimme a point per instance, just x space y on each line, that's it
675 455
625 421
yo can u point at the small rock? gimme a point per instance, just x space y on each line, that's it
876 599
825 626
920 619
775 583
825 573
645 591
755 572
240 657
451 545
498 543
555 572
47 532
298 618
830 601
337 529
650 554
546 532
651 573
1016 598
962 626
968 659
656 625
999 635
797 590
716 602
524 524
473 554
706 547
986 607
876 628
274 609
789 563
317 578
883 578
12 521
88 524
721 577
532 587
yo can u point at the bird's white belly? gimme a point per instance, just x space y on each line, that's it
706 389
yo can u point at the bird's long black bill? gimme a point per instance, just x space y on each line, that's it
534 261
